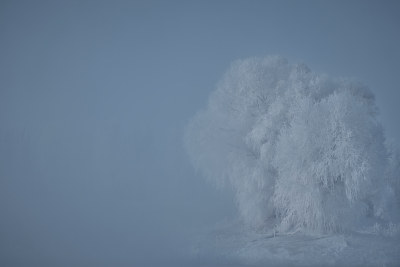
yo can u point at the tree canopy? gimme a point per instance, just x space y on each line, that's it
301 150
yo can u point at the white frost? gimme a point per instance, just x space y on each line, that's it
303 151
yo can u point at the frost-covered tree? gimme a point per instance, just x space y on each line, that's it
301 150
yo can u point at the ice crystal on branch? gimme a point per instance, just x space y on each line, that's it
301 150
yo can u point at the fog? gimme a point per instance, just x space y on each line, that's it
95 97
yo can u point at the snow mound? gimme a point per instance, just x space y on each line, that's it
232 245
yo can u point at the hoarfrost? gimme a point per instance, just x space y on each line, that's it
303 151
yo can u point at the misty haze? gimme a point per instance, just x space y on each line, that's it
176 133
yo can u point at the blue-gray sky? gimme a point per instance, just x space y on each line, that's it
94 96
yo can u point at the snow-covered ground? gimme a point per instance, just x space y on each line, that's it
230 245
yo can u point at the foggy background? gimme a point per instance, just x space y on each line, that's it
95 95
